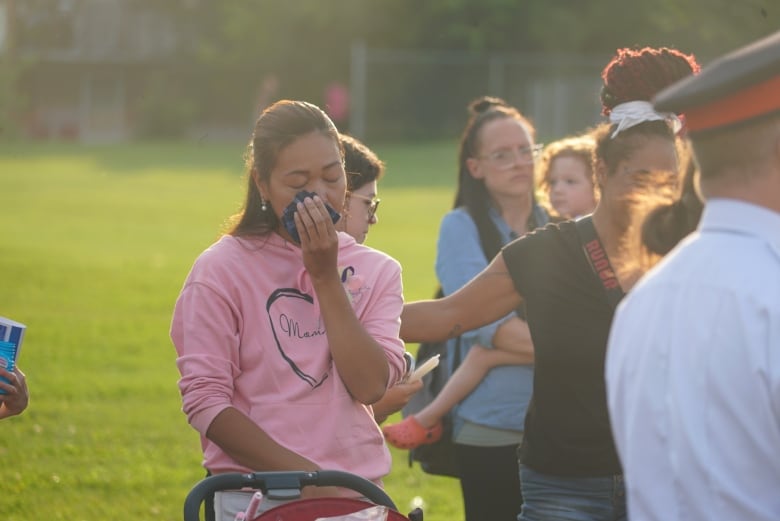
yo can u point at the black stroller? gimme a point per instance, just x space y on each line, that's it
288 485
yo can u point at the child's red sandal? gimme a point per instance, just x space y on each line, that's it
410 434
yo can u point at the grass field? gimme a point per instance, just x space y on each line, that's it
96 243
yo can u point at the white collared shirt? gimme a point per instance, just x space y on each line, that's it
693 374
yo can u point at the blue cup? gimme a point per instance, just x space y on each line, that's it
7 359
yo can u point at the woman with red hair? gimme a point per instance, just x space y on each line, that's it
568 279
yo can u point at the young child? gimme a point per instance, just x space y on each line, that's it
566 178
427 422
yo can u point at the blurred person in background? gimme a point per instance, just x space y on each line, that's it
266 93
568 465
494 204
693 366
337 103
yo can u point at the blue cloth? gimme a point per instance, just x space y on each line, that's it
501 399
557 498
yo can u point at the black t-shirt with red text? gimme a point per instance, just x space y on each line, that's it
567 430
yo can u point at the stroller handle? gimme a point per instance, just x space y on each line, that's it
281 485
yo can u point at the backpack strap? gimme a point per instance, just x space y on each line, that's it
598 260
456 355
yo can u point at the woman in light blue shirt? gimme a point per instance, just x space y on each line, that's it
494 204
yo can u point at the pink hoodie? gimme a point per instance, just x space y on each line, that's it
248 332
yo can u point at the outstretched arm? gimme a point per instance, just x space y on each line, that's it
488 297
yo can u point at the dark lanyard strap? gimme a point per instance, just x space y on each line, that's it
599 262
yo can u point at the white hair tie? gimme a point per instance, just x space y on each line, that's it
632 113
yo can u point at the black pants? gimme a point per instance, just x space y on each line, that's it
489 482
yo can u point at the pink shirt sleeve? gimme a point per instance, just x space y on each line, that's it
380 313
205 331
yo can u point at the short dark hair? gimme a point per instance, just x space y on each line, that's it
361 163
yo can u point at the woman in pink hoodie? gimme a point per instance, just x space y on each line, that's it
284 342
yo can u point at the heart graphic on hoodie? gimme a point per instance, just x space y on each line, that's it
290 314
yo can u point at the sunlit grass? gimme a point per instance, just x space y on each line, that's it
96 243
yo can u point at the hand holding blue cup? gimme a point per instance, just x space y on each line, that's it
7 359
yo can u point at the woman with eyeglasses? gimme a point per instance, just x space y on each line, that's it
567 277
364 170
494 204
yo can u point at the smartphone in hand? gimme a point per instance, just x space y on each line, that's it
289 212
425 368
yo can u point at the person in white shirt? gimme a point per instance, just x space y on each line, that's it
693 359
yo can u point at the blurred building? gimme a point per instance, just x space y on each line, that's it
85 66
111 70
423 94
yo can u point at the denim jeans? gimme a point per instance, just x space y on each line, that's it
559 498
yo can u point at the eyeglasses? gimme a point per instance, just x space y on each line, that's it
372 207
505 158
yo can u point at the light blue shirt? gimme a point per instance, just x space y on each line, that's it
501 399
693 374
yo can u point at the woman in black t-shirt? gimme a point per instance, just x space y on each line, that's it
569 468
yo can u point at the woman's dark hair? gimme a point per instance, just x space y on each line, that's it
668 224
637 75
277 126
472 193
361 163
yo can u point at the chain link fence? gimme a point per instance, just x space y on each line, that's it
405 95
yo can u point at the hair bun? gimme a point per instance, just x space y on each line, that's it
665 226
485 103
640 74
